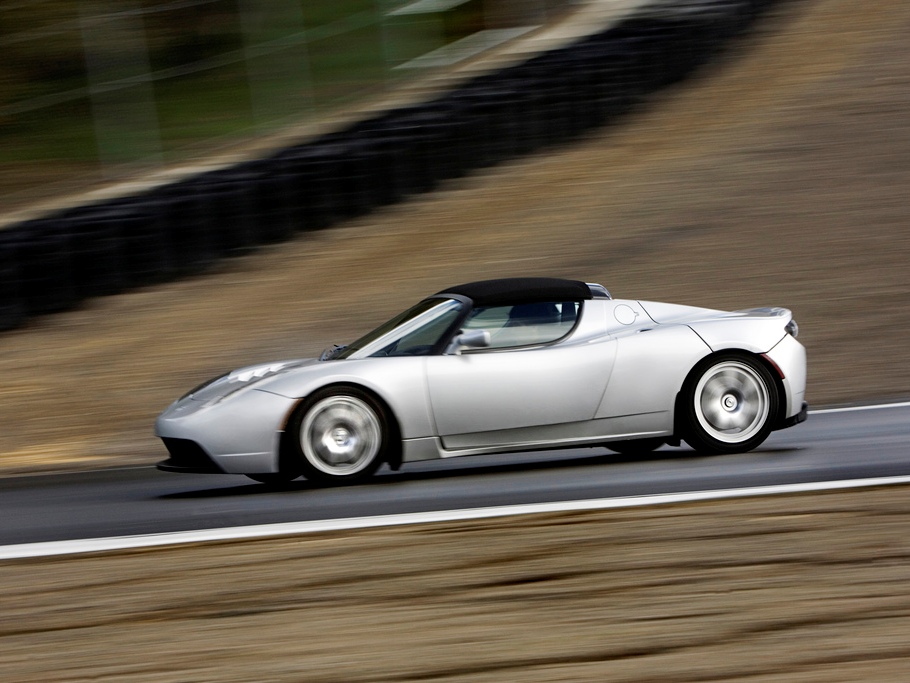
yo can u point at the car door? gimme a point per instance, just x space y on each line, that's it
531 380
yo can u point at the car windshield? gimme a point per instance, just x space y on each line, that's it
416 332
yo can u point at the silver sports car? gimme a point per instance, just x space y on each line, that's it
498 366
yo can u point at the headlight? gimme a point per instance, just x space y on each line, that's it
221 387
199 387
792 329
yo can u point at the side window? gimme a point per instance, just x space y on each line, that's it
524 324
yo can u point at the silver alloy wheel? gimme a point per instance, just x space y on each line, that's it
732 402
341 435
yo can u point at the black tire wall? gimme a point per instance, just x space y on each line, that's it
51 264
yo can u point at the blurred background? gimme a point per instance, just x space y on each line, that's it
101 89
722 153
758 153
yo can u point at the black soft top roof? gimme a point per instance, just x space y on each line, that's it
521 290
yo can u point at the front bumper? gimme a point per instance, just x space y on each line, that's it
237 435
187 456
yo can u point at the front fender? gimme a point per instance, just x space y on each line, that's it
399 381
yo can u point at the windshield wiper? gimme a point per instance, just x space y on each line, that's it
333 351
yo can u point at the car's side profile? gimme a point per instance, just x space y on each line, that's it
500 366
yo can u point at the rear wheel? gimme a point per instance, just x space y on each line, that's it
730 402
340 435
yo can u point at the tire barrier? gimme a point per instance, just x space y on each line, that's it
50 264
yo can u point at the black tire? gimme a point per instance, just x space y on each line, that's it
636 446
729 404
339 435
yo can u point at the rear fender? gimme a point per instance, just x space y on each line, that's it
649 371
679 424
757 330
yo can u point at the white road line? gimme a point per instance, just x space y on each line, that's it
91 545
852 409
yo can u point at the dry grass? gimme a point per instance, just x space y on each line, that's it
778 177
799 588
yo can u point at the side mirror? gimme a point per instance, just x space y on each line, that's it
475 339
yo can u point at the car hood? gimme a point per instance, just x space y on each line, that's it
244 377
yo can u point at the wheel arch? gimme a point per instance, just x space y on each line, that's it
394 455
772 368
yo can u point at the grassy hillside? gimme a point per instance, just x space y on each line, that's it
777 178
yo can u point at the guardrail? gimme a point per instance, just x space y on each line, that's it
51 264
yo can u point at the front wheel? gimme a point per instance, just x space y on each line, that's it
730 403
340 435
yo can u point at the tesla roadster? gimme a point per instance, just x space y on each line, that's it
494 367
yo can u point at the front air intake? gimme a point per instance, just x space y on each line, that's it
187 456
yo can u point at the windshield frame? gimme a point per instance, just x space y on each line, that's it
423 313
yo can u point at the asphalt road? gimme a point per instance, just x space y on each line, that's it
851 444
